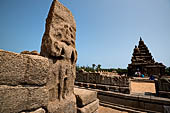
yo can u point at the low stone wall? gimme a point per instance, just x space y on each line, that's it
163 87
115 83
143 103
125 90
87 101
139 79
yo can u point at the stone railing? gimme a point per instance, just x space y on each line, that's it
163 87
101 81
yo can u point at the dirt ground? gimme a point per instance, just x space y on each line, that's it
142 87
109 110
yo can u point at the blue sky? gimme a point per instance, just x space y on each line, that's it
107 30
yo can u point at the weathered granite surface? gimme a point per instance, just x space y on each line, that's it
90 108
17 98
58 45
19 69
102 81
99 78
84 97
87 101
162 86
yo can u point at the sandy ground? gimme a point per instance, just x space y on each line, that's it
136 87
109 110
142 87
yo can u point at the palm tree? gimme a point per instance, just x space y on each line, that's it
98 67
93 66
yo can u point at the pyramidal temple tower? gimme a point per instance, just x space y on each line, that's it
142 61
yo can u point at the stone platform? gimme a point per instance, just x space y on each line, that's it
87 101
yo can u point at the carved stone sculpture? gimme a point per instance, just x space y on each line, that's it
58 44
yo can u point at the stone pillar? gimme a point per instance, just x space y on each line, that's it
58 45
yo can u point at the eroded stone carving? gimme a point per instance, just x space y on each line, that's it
59 38
58 44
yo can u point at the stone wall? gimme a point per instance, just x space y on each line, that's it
149 104
101 81
23 80
163 87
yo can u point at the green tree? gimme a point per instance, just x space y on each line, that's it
121 71
98 67
93 66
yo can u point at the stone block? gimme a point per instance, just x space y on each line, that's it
19 69
90 108
67 105
84 97
18 99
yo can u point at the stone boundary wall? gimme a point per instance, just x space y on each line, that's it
125 90
163 87
143 103
146 103
115 83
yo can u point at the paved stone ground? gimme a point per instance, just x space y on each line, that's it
142 87
103 109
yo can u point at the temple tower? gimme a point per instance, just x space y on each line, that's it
143 62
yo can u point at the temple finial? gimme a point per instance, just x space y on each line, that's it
140 39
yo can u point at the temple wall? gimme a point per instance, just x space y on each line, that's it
106 82
23 82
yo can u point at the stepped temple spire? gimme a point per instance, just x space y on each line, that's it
143 61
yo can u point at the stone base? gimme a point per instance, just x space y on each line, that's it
90 108
87 101
67 105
